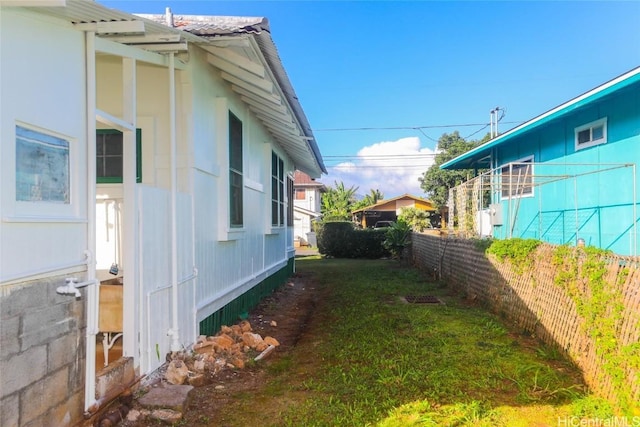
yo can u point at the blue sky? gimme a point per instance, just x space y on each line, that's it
364 66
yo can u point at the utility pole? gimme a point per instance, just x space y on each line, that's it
494 119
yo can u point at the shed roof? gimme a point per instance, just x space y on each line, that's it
251 64
472 158
387 201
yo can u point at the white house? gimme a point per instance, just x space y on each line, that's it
307 202
146 169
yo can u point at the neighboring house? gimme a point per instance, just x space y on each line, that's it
307 200
567 176
389 209
153 154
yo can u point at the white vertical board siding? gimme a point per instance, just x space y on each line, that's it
155 272
48 94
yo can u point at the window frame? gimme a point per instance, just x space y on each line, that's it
115 179
530 186
590 127
289 200
277 190
236 172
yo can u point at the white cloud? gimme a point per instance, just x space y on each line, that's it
393 167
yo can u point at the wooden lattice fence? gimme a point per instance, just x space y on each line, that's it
535 301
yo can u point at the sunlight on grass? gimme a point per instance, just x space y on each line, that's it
376 360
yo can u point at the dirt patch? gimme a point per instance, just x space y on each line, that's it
283 315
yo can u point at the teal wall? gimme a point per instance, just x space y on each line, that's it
240 307
597 207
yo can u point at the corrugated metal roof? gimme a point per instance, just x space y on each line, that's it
467 159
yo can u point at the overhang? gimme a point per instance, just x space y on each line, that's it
476 158
241 48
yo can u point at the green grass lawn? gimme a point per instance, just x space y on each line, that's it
370 359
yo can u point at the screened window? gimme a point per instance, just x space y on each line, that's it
289 201
594 133
235 172
277 190
109 156
517 178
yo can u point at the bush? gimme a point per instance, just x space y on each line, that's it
341 240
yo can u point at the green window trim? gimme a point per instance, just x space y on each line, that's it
118 179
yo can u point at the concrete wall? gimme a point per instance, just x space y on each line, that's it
41 356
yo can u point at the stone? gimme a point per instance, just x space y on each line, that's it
261 346
237 330
225 330
197 380
166 416
238 363
134 415
199 365
177 372
203 347
252 340
273 323
224 341
174 397
245 326
271 341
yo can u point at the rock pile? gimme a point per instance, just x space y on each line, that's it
232 347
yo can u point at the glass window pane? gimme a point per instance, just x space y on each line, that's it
113 167
113 144
584 136
597 133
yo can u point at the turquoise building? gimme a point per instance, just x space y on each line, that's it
567 176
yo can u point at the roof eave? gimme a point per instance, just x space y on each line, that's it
467 159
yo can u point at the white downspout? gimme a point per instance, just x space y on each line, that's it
93 303
174 331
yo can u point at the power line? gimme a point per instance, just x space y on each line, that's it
405 127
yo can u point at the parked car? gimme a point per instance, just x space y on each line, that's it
383 224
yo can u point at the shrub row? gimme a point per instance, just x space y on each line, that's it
342 240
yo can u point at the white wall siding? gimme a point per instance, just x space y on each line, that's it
38 236
155 271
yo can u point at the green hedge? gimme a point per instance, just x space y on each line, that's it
342 240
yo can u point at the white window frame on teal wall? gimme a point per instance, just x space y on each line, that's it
595 132
528 190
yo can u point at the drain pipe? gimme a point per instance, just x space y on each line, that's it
92 302
174 332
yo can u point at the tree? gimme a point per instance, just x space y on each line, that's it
417 219
436 182
337 203
372 198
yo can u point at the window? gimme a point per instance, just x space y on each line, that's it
594 133
235 171
277 190
42 167
289 201
109 155
301 194
517 178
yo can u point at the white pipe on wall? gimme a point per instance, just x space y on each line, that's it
174 332
93 303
